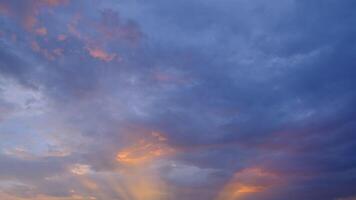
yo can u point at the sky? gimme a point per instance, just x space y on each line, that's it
177 100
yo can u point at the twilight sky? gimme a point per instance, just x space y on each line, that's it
177 99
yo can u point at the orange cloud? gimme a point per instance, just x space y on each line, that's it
145 150
234 191
110 29
138 180
248 182
101 54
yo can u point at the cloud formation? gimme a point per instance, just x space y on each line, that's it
193 100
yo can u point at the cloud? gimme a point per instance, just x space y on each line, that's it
248 182
180 100
112 27
27 13
101 55
80 169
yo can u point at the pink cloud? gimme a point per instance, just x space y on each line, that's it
110 30
50 54
28 14
101 54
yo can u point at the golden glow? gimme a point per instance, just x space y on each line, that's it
234 191
249 189
247 182
140 182
145 150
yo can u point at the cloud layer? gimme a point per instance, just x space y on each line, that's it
193 100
